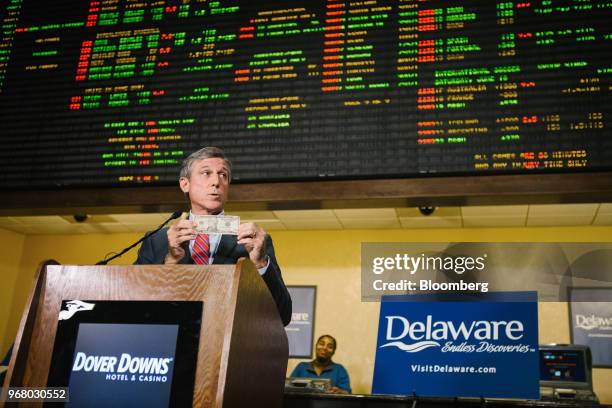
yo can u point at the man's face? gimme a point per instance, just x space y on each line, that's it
208 186
325 349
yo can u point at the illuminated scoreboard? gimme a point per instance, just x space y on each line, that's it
118 92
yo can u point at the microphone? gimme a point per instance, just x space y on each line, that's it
174 216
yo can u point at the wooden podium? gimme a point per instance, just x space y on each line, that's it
243 350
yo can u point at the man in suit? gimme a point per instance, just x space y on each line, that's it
204 178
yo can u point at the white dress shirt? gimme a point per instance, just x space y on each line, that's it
213 244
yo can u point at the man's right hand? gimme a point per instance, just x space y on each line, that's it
179 236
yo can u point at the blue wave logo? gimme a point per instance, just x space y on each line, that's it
412 348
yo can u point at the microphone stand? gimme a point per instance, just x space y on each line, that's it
174 215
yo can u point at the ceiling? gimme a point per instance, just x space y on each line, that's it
542 215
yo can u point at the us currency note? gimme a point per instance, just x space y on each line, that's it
213 224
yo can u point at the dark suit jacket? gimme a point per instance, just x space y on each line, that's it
154 249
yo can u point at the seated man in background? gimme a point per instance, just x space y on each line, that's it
323 366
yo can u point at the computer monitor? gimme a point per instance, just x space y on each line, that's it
566 366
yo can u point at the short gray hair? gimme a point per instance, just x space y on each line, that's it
203 154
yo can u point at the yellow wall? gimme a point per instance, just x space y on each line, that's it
66 249
330 260
11 247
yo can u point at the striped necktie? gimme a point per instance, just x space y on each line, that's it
201 250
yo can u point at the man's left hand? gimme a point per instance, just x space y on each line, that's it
253 237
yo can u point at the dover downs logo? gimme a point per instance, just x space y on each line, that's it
484 336
124 368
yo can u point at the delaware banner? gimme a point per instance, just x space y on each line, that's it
458 346
300 330
591 322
